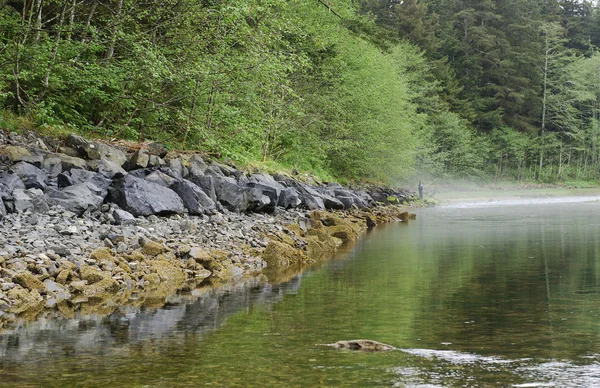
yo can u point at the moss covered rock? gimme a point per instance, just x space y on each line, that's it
28 281
153 249
278 254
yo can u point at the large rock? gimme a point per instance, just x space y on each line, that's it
264 193
230 194
2 208
78 198
71 162
32 176
289 198
310 198
9 183
138 159
95 150
14 153
75 177
107 167
195 200
206 183
143 198
33 200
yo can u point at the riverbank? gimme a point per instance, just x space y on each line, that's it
88 227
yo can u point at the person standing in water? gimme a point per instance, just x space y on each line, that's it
420 190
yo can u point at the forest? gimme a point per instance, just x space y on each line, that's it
368 90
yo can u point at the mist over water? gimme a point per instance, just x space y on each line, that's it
486 294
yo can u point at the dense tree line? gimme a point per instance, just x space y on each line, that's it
370 89
523 73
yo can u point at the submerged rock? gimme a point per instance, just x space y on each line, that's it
362 344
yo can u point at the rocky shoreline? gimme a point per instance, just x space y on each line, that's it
92 226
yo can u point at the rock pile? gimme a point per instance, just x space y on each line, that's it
81 220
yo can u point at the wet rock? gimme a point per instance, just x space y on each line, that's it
278 254
153 248
29 281
143 198
363 345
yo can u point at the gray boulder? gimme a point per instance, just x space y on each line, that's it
8 183
31 176
144 198
33 200
52 165
78 198
195 200
138 159
75 177
2 208
206 183
107 167
264 193
289 198
230 194
123 217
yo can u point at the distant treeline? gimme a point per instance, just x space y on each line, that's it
371 89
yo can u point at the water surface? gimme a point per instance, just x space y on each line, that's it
493 294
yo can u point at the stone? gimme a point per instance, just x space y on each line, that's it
107 167
230 194
363 345
195 200
206 183
289 198
138 159
28 281
175 165
78 198
3 211
142 198
31 176
71 162
8 183
14 153
91 274
278 254
52 165
30 199
77 176
153 248
160 178
123 217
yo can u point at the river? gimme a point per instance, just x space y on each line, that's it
488 294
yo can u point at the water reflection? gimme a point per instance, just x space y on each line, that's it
483 296
202 311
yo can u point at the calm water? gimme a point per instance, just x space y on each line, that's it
480 295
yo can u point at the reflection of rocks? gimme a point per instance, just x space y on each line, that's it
82 223
202 311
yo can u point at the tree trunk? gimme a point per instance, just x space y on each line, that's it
113 40
61 21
